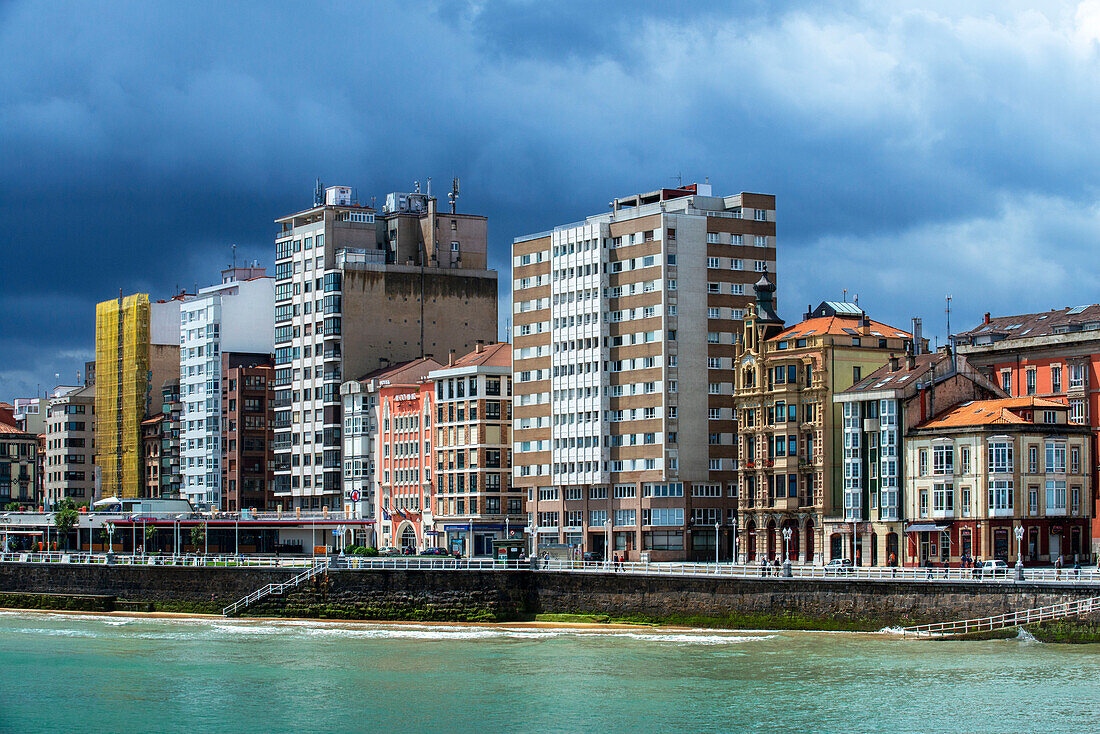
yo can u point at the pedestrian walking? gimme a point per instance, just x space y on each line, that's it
763 567
1058 568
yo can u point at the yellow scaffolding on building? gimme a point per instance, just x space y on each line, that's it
122 391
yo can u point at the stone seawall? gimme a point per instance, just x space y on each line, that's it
510 595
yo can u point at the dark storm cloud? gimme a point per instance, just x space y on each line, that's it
943 147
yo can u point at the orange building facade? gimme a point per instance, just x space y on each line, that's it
405 446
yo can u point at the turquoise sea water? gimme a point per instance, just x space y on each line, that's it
101 673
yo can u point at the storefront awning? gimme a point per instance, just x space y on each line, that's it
923 527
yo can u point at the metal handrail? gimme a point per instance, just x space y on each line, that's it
1062 610
255 596
721 570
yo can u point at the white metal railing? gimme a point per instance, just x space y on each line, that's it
270 589
724 570
198 561
1073 608
799 571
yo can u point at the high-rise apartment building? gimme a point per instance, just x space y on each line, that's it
353 287
623 369
229 322
137 351
70 445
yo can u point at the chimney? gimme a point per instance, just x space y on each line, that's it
918 339
809 312
910 360
451 358
986 318
894 366
480 346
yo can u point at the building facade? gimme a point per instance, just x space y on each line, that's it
137 351
878 412
374 477
70 446
18 467
249 460
160 436
1053 355
790 434
987 467
623 370
476 503
234 317
354 287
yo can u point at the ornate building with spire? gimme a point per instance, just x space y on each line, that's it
790 434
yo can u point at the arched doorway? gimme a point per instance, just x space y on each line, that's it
771 540
809 557
874 549
750 542
892 549
408 537
791 546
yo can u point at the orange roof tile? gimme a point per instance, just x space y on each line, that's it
7 428
839 325
990 412
491 355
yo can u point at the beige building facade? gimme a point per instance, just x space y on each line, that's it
70 445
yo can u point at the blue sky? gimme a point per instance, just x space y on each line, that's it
916 150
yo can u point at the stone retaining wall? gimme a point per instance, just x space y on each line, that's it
509 595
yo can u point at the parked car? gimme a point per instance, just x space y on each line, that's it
407 550
995 568
591 556
434 552
389 550
838 566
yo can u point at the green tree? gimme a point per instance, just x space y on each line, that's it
65 518
150 534
198 536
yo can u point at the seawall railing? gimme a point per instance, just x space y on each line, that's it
1075 608
275 589
445 563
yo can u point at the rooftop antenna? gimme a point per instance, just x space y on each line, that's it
844 298
679 179
429 187
234 248
318 193
417 186
948 312
453 196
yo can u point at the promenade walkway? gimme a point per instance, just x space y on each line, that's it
714 570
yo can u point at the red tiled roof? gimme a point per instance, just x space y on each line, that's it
839 325
10 429
491 355
990 412
406 373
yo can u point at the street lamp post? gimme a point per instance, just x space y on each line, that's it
1019 552
735 560
787 532
717 526
607 550
341 529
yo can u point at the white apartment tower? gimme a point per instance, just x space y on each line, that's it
234 316
625 323
355 290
